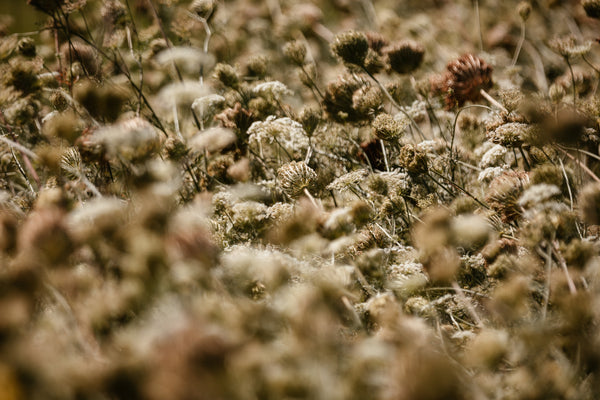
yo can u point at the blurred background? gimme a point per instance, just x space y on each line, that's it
24 17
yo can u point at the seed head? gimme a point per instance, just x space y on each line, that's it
226 75
351 47
413 159
404 57
524 10
385 127
592 8
295 51
463 81
295 177
589 204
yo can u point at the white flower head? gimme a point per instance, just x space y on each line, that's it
188 59
212 139
348 180
208 105
493 157
133 139
284 132
273 89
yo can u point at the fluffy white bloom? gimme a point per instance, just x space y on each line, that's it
208 105
347 180
188 59
488 174
538 194
212 139
130 140
182 94
285 132
493 156
275 89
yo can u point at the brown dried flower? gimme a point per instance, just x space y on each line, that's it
404 57
463 81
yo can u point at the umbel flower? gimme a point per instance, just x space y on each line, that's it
404 57
351 47
463 80
295 177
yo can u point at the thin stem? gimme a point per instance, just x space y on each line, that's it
394 103
492 100
478 14
519 45
572 81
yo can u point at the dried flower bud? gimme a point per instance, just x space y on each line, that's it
404 57
310 118
524 10
556 93
226 75
204 8
257 67
376 41
26 47
295 51
350 47
412 159
592 8
589 204
386 127
295 177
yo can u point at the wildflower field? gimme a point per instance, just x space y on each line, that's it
285 199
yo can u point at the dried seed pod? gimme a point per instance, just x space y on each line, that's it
295 177
351 47
463 81
386 127
404 57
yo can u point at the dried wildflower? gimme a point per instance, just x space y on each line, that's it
404 57
131 140
367 100
538 194
101 101
376 42
348 180
212 140
208 106
470 232
23 77
504 192
338 101
295 177
592 8
189 60
226 75
66 126
284 132
589 204
257 67
566 47
113 13
412 159
463 81
350 47
386 127
295 51
85 54
511 134
204 8
44 234
272 89
310 118
524 10
26 47
556 93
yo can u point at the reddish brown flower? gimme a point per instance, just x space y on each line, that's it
463 81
